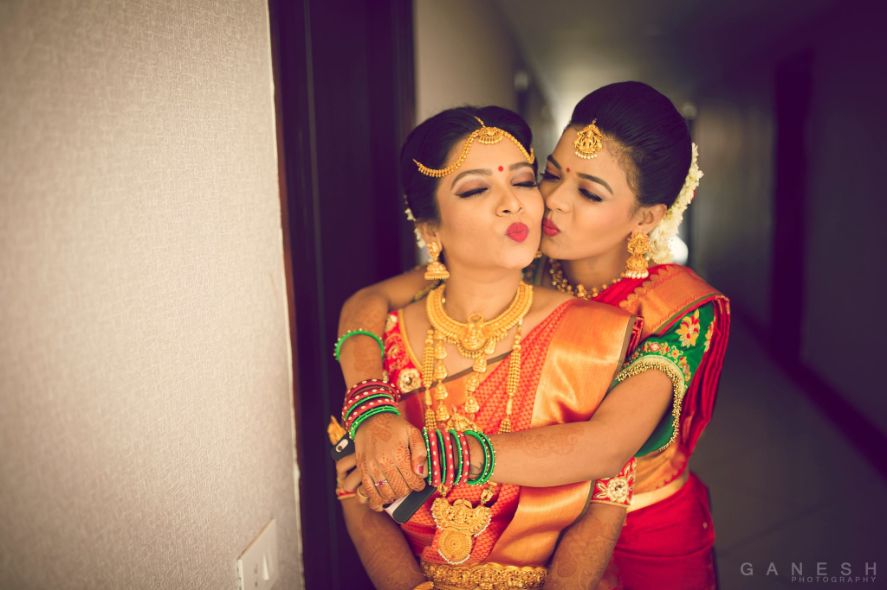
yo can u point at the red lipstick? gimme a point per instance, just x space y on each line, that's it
518 232
549 228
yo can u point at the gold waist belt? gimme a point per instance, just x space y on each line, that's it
486 576
645 499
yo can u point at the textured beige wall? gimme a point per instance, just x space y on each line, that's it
146 423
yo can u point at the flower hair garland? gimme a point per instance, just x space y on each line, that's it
661 236
412 219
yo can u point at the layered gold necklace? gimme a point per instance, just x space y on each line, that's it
460 522
562 283
475 340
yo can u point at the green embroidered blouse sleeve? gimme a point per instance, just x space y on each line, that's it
677 353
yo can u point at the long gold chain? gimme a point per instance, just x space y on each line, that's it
475 340
562 283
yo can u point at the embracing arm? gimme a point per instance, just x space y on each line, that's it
581 451
367 310
584 551
655 378
389 449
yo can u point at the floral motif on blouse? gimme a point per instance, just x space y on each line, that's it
677 353
688 331
617 489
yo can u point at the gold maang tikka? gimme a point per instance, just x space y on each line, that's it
485 135
589 141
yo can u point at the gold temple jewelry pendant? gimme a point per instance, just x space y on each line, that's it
457 526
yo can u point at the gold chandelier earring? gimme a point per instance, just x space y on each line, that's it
435 271
636 265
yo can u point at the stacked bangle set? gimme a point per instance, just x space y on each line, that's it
366 399
448 452
449 461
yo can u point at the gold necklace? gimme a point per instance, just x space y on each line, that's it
475 340
562 283
460 523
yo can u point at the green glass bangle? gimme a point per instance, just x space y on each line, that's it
427 454
489 458
443 455
366 399
478 436
492 461
364 417
457 454
337 349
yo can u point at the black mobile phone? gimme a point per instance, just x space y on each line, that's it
400 510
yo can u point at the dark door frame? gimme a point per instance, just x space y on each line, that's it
343 72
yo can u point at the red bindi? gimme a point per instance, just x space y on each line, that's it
568 168
501 168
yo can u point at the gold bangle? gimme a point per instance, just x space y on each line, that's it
426 585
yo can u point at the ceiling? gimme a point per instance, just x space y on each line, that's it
574 46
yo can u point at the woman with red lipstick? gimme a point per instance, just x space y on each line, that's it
615 188
485 353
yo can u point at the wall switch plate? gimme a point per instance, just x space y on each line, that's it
257 565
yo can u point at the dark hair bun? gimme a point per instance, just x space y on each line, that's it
650 129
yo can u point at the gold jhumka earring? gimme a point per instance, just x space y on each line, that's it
435 271
636 265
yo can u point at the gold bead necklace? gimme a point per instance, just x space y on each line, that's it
475 340
562 283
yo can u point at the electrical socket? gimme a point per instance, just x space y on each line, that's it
257 565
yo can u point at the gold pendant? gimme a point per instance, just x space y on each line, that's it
457 526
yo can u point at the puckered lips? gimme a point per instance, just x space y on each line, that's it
518 232
549 228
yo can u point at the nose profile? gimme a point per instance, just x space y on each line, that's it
555 199
509 203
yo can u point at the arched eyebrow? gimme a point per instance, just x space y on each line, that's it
590 177
483 171
486 171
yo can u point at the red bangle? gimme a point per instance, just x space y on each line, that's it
363 389
435 459
370 383
466 457
362 409
357 399
362 386
451 459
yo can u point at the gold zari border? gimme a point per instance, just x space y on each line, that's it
657 362
486 575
